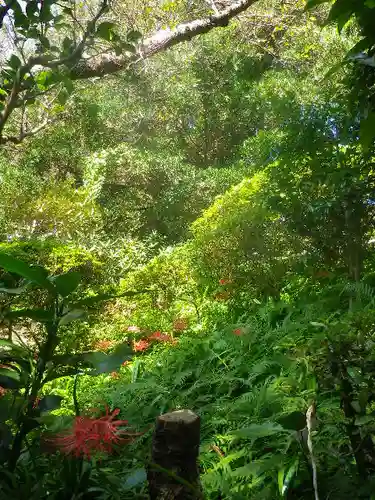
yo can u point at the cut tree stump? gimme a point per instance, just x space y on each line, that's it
173 473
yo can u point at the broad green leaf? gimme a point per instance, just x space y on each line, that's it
12 291
105 30
32 8
66 283
289 477
35 274
295 421
14 62
9 379
41 315
49 403
73 315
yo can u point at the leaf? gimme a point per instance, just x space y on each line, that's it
13 291
289 476
31 8
44 41
35 274
40 315
9 379
134 36
63 96
256 431
364 419
73 315
136 478
66 283
14 62
13 347
294 421
109 362
50 403
59 373
105 30
367 131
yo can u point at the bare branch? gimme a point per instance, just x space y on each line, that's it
11 102
4 10
158 42
110 63
18 139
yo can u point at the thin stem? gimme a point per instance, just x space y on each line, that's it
75 400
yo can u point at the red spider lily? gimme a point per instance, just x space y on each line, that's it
125 363
103 345
115 375
237 331
89 435
140 345
164 337
3 391
180 324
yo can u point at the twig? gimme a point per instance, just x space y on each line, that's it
310 424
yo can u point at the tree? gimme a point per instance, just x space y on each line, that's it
53 47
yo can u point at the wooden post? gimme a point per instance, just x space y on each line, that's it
173 473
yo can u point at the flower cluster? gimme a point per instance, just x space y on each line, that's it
103 345
237 331
140 345
89 435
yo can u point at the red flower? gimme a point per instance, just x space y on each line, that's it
125 363
140 345
103 345
237 331
225 281
115 375
89 435
164 337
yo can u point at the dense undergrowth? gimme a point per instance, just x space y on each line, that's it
195 232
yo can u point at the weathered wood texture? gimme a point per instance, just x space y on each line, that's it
174 474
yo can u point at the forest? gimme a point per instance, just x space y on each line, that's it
187 222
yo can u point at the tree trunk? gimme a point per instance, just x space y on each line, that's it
173 473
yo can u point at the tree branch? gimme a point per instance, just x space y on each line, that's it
4 10
17 139
11 102
105 64
158 42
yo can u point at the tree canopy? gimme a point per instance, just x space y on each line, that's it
187 223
